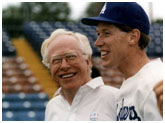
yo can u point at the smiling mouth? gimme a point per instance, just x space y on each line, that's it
66 76
104 53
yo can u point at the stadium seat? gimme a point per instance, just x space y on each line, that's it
8 116
7 47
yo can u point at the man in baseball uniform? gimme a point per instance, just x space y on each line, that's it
123 35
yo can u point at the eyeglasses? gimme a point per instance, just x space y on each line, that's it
70 58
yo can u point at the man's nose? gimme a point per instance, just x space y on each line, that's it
98 42
64 64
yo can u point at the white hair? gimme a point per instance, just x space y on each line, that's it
83 40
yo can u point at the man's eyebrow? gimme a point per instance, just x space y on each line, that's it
102 30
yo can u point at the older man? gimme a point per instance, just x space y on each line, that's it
123 29
68 56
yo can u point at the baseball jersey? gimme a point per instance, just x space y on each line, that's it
93 101
136 99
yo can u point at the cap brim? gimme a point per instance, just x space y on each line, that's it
93 21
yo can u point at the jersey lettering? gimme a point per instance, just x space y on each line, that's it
127 112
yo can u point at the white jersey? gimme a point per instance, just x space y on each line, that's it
93 101
136 99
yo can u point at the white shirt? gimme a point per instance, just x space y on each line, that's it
93 101
136 99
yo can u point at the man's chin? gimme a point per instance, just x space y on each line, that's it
105 64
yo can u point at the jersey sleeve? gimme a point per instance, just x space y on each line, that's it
151 111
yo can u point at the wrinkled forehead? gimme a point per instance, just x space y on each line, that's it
63 44
64 38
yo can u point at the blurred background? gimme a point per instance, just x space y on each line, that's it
26 84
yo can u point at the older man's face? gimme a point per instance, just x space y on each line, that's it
67 65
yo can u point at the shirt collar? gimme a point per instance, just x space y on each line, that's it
94 83
58 92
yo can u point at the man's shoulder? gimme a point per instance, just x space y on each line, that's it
108 93
54 100
108 88
98 83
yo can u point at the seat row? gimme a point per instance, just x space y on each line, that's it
25 97
30 115
18 88
23 105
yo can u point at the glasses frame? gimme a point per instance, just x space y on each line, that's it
70 58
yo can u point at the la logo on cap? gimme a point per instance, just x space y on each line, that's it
103 9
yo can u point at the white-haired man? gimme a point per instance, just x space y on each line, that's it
68 56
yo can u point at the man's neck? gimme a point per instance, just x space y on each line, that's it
132 64
69 95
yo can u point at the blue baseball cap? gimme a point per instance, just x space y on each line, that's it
127 13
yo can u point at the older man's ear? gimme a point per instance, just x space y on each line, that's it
90 62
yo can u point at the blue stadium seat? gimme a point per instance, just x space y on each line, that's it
8 116
23 105
8 48
23 116
31 116
24 97
155 47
